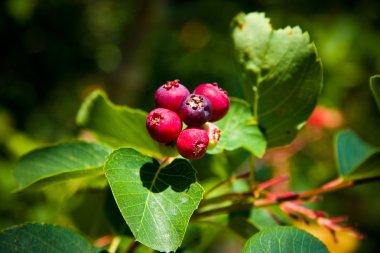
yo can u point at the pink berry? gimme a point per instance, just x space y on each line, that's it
218 98
163 125
214 134
195 110
192 143
170 95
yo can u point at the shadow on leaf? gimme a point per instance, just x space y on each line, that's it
179 175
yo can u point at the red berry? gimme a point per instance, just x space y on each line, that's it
192 143
214 134
163 125
323 117
218 98
170 95
195 110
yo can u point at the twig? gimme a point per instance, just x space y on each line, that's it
132 247
226 197
230 180
273 199
252 173
221 210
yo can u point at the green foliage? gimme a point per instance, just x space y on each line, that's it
356 159
282 78
239 130
36 238
60 162
284 239
374 84
156 202
281 75
119 126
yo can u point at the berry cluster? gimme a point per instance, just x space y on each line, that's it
175 105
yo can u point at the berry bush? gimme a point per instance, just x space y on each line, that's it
156 201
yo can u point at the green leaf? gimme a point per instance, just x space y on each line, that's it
356 159
119 126
351 151
370 168
284 239
268 217
374 84
156 202
239 130
60 162
281 75
43 238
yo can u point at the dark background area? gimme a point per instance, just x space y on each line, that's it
53 53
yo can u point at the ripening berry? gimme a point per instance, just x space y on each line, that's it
192 143
218 98
163 125
170 95
195 110
214 134
324 117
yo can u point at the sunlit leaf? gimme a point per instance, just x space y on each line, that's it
60 162
374 84
119 126
284 239
281 75
356 159
36 238
238 130
156 202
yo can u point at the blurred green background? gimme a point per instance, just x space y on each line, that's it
55 52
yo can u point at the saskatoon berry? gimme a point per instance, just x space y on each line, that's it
195 110
163 125
218 98
170 95
213 133
192 143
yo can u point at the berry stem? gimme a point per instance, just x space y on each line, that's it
166 161
256 104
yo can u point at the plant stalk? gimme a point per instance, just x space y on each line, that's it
250 202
